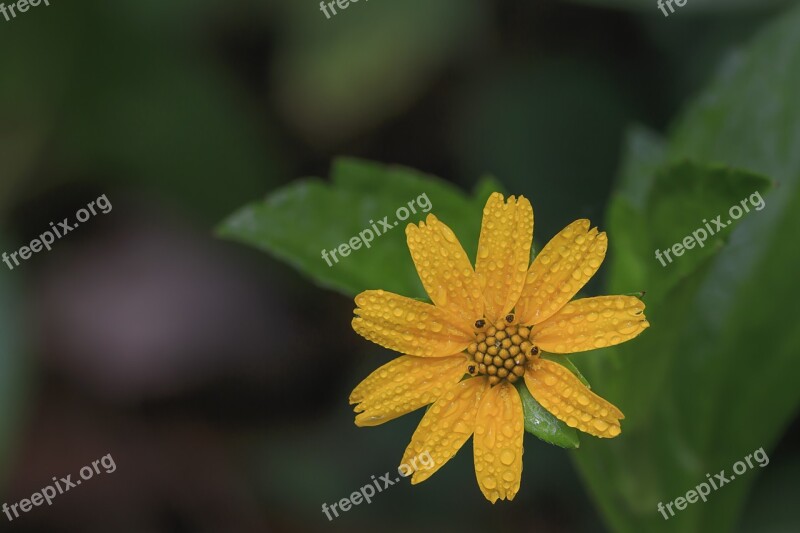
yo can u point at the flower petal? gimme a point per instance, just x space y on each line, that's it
446 426
408 326
591 323
562 393
445 270
560 270
498 442
403 385
504 252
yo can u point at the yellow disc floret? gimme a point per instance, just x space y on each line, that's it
502 350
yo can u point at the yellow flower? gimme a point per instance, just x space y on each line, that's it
493 323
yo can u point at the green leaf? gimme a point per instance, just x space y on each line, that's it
690 211
645 154
301 220
629 263
715 376
541 423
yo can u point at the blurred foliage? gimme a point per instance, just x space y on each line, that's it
714 378
551 133
14 371
143 109
338 77
206 105
692 5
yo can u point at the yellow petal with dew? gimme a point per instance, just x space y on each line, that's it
591 323
408 326
445 270
403 385
560 270
559 391
446 426
504 252
497 442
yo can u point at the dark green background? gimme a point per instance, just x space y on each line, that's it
218 376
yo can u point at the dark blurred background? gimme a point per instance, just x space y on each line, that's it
216 376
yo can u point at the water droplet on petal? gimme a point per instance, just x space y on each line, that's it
507 457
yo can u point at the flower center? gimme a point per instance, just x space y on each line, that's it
501 351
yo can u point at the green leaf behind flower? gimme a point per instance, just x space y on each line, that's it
301 220
714 378
684 220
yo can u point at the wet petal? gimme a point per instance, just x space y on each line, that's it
560 270
445 427
445 270
404 385
562 393
498 442
504 252
408 326
591 323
